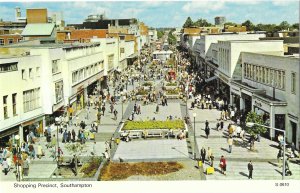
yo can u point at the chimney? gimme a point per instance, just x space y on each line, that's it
18 13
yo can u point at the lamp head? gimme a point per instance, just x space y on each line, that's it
17 137
194 114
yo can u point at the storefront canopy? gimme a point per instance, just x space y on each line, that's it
211 78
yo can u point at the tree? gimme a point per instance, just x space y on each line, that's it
75 149
255 118
188 23
255 130
202 23
295 26
160 34
249 25
284 25
230 23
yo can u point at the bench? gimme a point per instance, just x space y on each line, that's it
134 135
154 134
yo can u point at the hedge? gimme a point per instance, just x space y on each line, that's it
142 125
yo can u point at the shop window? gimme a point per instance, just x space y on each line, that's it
10 41
1 42
5 112
14 103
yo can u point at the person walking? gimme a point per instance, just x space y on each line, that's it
209 154
207 130
5 166
115 114
250 169
223 165
230 142
69 136
103 110
73 135
25 167
203 154
157 109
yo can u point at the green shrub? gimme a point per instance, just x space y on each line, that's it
171 84
172 92
141 125
147 84
142 92
89 169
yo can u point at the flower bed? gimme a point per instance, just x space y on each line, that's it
142 125
89 169
171 84
142 92
121 171
147 84
172 92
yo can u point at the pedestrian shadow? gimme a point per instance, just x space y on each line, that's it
243 174
226 150
218 170
275 146
272 164
280 172
204 136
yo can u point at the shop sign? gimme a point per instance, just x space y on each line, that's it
258 104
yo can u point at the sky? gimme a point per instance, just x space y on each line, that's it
165 13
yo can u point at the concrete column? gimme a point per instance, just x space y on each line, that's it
21 134
242 103
272 122
85 94
230 98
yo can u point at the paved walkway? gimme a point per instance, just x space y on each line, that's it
264 157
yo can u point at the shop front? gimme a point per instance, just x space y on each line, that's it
273 113
224 88
235 94
77 101
35 126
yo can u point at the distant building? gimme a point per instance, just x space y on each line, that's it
39 30
38 15
9 39
220 20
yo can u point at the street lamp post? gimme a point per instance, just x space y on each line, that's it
186 102
250 124
194 115
17 137
122 104
57 122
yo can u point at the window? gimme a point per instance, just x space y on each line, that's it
31 99
59 91
1 42
23 74
7 67
267 75
86 72
14 103
10 41
122 50
37 71
263 74
5 107
55 66
293 79
74 77
279 80
283 80
30 73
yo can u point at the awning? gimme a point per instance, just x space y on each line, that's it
211 78
132 55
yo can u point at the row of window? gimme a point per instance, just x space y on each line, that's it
224 59
83 73
59 94
269 76
30 73
8 67
9 41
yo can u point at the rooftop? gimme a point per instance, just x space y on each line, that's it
39 29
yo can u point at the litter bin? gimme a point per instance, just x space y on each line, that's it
199 163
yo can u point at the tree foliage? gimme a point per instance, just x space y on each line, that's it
171 38
188 23
255 118
202 23
249 25
160 34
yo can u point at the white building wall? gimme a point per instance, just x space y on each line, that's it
229 52
288 65
12 82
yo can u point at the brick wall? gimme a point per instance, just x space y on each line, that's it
36 16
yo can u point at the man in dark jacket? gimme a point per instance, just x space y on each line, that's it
250 169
